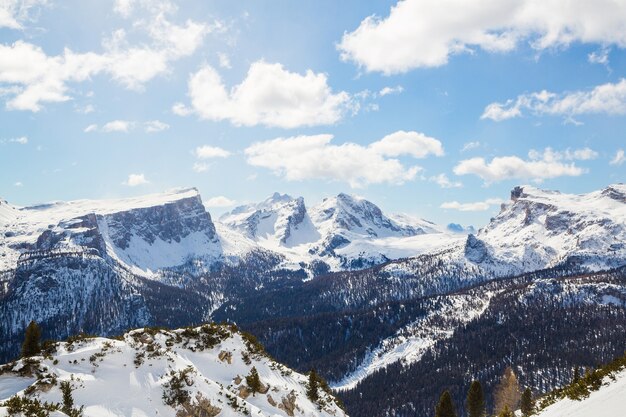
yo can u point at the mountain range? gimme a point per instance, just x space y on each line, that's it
365 297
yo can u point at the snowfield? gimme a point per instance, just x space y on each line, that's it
134 376
608 401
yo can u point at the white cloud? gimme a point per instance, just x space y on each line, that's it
444 182
550 155
18 184
154 126
219 201
34 78
14 13
135 180
415 144
314 157
22 140
606 98
470 145
269 95
540 166
125 126
208 152
599 57
200 167
619 158
117 126
425 33
391 90
224 60
477 206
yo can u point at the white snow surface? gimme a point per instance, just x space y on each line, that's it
608 401
108 381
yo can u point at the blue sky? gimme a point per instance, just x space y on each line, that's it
433 108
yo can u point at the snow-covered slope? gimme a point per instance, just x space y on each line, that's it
608 401
189 372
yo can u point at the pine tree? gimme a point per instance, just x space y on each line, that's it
311 389
507 392
68 400
32 336
475 404
253 381
527 404
576 375
445 408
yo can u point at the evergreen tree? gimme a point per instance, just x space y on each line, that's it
445 408
475 404
527 404
576 375
311 389
253 381
32 336
68 400
507 392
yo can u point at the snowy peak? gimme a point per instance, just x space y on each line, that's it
354 214
280 220
541 228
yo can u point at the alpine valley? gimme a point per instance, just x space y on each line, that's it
390 309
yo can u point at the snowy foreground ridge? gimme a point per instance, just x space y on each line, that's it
188 372
608 401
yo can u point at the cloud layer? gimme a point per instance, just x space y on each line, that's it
34 78
609 98
425 33
539 166
314 157
270 95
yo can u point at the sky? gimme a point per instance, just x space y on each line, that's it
435 108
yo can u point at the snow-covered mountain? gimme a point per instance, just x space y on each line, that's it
144 234
188 372
343 231
537 229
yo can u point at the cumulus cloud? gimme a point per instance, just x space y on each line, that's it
390 90
14 13
135 180
599 57
117 126
539 166
33 78
619 158
154 126
219 201
209 152
444 182
269 95
18 184
425 33
315 157
200 167
476 206
609 98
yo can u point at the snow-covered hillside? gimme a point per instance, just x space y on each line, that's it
188 372
608 401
